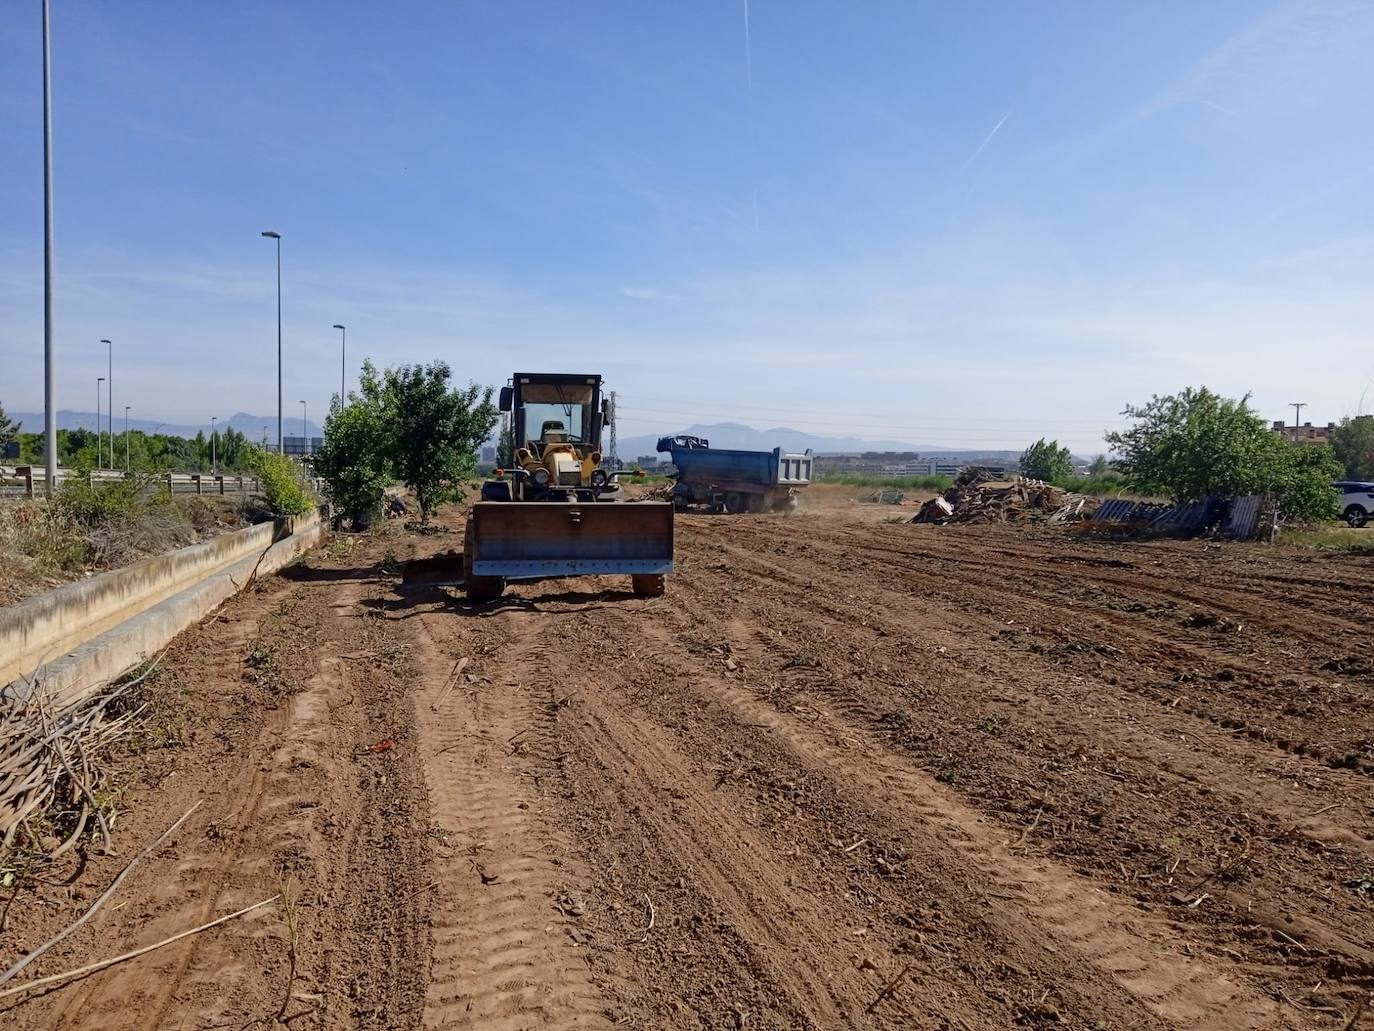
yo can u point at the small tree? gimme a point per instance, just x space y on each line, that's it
1353 443
281 483
1196 444
355 459
9 429
1099 466
434 431
1046 460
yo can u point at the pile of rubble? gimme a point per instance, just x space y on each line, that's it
1015 501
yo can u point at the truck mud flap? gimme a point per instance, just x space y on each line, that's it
547 539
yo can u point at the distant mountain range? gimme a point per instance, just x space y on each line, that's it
249 425
737 436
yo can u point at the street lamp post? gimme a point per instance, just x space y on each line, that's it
305 434
49 358
127 467
343 363
110 388
271 235
214 461
99 430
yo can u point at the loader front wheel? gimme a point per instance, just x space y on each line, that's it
648 585
484 588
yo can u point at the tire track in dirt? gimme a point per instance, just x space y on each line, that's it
1136 952
1272 806
503 957
291 807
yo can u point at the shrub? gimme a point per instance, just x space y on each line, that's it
282 488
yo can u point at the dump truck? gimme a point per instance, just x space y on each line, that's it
555 511
725 480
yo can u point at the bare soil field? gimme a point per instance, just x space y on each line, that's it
845 774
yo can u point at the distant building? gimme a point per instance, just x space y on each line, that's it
1306 433
901 463
301 445
489 455
649 463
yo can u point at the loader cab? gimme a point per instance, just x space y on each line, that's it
548 408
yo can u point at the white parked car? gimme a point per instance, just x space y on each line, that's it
1357 501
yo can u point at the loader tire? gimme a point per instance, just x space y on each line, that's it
648 585
484 588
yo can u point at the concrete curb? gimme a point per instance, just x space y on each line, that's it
178 591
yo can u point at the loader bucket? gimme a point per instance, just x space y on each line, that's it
557 538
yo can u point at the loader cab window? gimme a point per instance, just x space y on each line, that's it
557 412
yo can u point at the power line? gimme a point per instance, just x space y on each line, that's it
856 424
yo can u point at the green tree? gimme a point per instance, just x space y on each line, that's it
1353 443
434 431
1046 460
1099 467
9 429
1196 443
356 457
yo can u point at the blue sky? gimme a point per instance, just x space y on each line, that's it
953 224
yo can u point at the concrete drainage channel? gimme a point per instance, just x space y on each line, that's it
85 634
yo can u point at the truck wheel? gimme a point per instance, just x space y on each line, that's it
757 503
648 585
734 502
1356 516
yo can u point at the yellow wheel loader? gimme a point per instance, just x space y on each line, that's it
556 512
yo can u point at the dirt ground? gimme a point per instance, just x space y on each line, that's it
846 773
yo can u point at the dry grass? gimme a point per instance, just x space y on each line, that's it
91 529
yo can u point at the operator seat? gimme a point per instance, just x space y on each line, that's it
554 432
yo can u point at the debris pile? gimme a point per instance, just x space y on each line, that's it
994 501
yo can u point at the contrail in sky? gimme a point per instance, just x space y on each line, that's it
748 52
987 140
749 71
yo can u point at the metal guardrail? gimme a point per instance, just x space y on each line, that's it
29 483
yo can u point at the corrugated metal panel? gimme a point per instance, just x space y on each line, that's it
1245 512
1117 510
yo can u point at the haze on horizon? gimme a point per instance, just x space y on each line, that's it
959 225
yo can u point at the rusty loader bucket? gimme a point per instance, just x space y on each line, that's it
546 539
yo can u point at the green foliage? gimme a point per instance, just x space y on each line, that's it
434 431
281 483
356 458
1099 466
1353 443
879 480
1109 482
148 452
1046 460
9 429
1197 443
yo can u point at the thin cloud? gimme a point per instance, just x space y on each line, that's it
986 140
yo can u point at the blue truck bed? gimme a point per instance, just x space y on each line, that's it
737 481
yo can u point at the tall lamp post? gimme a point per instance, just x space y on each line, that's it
127 467
305 435
110 356
49 359
271 235
343 362
214 461
99 430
